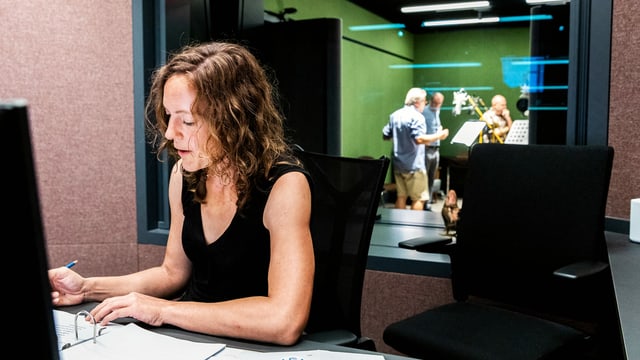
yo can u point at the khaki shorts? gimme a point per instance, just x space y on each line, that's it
412 185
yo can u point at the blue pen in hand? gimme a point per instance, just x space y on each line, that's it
71 264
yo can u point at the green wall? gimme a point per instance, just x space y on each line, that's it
484 46
371 89
370 92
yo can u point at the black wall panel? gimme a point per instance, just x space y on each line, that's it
550 43
305 58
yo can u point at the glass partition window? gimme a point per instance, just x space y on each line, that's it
547 82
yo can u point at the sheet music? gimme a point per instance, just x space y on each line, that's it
133 342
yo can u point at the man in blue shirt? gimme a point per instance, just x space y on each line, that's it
407 129
435 133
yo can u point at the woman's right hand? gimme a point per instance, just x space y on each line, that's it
66 286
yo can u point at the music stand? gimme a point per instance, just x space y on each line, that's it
519 133
468 133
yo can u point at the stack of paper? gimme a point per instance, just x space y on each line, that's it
132 342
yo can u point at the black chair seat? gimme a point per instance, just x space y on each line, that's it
519 336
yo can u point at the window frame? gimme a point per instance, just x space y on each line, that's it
152 175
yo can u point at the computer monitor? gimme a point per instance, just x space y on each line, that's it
27 281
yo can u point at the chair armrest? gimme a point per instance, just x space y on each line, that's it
422 242
335 337
581 269
446 248
343 338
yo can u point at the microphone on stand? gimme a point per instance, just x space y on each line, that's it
459 99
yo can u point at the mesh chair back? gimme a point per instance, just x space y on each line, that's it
346 195
528 210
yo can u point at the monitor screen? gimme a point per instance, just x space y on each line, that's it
28 281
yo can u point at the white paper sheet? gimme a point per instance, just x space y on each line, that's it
133 342
238 354
468 133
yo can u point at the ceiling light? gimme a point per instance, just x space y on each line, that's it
435 65
376 27
547 2
460 21
526 18
469 5
471 21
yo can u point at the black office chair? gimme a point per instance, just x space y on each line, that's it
346 196
529 267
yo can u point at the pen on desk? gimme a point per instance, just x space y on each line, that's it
217 352
71 264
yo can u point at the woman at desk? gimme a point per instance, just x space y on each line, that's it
239 258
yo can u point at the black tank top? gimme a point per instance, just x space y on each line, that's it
236 265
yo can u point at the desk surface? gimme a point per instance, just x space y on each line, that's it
410 217
303 345
397 225
624 260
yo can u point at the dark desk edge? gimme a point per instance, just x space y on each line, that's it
407 261
395 259
616 225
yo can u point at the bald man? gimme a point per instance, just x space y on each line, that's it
498 119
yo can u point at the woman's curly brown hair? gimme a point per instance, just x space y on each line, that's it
235 97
